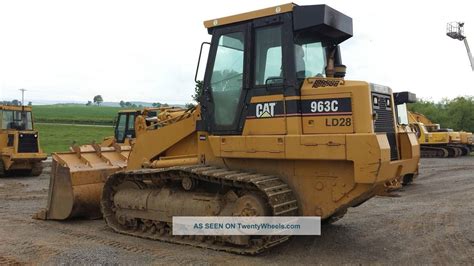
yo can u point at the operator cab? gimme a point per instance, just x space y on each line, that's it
125 126
267 52
16 120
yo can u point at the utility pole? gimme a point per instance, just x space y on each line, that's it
455 30
23 96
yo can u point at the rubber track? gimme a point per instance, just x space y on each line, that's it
278 194
37 169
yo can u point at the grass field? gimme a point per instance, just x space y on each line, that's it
75 114
54 138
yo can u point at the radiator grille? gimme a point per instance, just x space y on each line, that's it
27 143
384 123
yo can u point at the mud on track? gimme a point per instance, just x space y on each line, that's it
430 221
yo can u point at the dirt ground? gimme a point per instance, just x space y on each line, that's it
431 221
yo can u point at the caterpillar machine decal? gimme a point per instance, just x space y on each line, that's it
456 139
435 142
278 132
19 142
78 176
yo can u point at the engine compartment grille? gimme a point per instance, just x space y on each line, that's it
27 143
384 122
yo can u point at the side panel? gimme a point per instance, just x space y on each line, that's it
266 116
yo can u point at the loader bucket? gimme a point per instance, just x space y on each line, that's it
77 179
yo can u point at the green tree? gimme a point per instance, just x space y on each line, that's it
457 113
460 112
189 105
122 104
98 99
198 90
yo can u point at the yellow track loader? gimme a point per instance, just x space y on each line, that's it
19 142
278 132
77 177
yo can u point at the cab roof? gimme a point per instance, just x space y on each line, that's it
250 15
330 24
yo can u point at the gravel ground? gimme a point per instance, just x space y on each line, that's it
428 222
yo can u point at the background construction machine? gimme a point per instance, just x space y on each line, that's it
401 99
459 139
77 177
278 132
19 143
124 125
438 142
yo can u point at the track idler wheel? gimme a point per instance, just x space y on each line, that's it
189 184
248 205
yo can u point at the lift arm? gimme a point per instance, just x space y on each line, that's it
469 53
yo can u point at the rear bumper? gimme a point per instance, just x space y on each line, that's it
28 156
371 156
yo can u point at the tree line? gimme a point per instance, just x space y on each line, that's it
14 102
457 113
99 100
133 105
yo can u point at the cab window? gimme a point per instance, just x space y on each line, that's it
268 56
402 114
227 77
120 128
310 56
18 120
131 122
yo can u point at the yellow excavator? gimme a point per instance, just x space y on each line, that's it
459 139
437 142
468 140
19 142
278 132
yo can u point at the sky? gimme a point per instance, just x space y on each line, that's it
70 51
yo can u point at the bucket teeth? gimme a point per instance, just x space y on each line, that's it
77 179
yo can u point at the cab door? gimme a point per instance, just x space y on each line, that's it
225 82
265 101
125 127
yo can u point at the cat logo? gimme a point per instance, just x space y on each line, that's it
263 110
